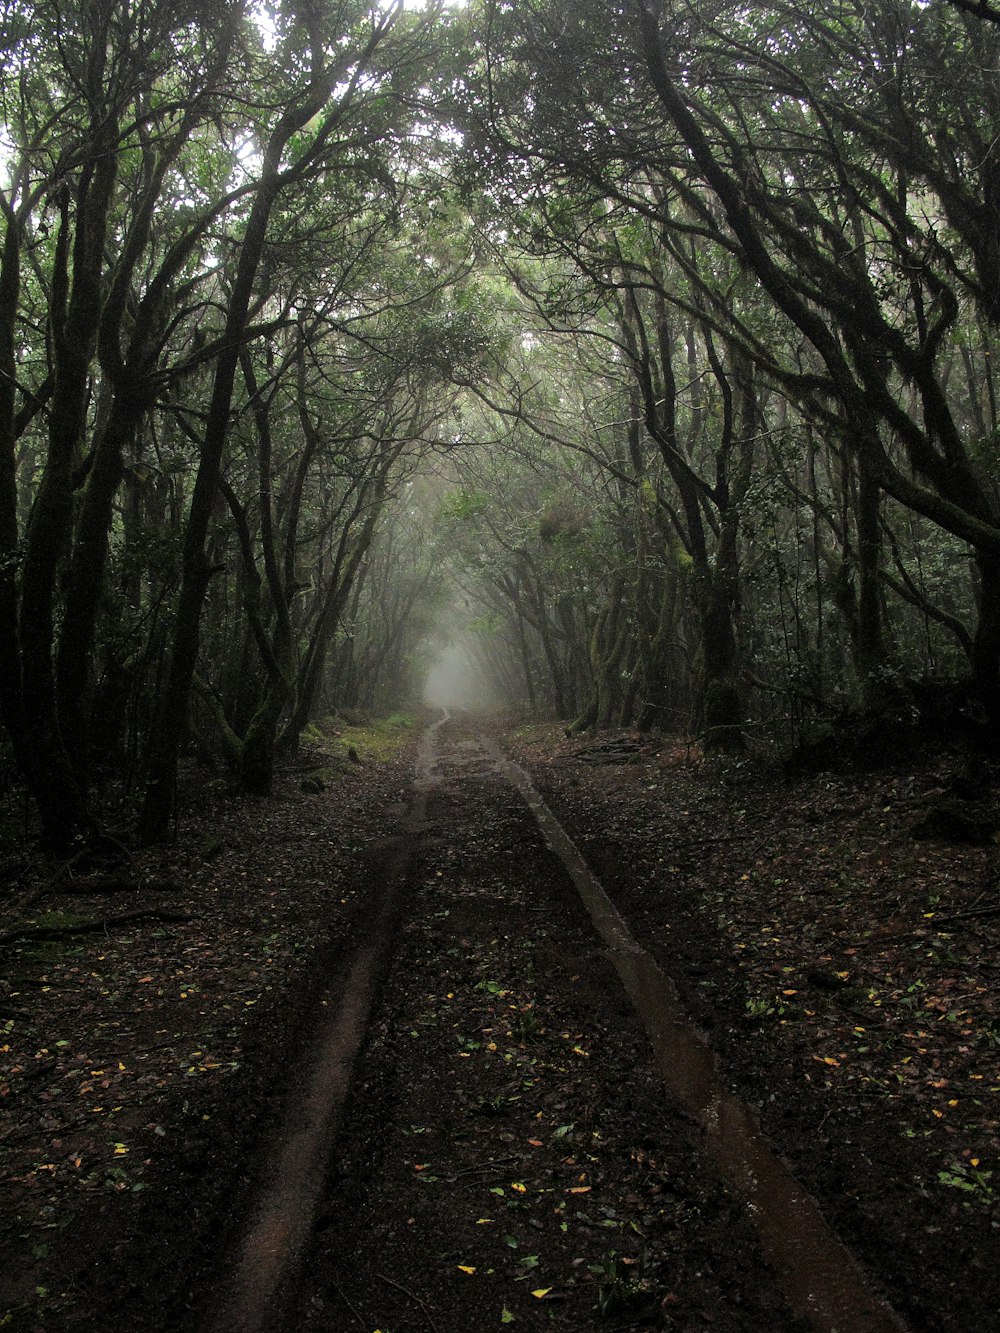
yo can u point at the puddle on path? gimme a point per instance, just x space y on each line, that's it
821 1278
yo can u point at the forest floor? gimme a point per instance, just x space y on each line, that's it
504 1150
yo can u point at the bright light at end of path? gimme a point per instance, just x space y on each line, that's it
454 681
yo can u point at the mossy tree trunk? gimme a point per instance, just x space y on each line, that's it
158 806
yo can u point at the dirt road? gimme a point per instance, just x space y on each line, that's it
370 1054
531 1133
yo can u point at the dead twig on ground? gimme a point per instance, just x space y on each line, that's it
487 1166
341 1294
968 914
104 924
412 1295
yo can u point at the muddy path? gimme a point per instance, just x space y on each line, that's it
506 1117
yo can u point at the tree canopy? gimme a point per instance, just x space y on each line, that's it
642 352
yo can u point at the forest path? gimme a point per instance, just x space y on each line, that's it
260 1280
509 1155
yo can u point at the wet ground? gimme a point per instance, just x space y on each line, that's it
536 1134
395 1059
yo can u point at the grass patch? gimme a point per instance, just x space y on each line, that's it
373 740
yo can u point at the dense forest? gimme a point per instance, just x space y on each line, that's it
642 353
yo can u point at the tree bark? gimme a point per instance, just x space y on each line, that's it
158 806
986 645
75 314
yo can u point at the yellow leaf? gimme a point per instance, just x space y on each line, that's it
482 1221
580 1189
541 1292
521 1189
466 1268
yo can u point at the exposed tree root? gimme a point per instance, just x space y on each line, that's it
91 927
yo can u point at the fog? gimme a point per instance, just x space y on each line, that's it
454 681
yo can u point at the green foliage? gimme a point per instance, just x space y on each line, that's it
462 505
514 363
972 1181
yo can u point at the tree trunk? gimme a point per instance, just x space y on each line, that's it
75 306
870 645
346 568
723 709
154 822
11 696
986 644
522 644
85 584
655 662
256 762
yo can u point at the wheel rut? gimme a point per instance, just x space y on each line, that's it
823 1280
481 1136
259 1282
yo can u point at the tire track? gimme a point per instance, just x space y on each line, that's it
822 1279
261 1288
260 1278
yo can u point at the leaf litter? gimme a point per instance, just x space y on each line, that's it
845 973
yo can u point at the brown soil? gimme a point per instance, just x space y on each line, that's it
508 1154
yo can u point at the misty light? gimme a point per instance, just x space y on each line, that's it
455 681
